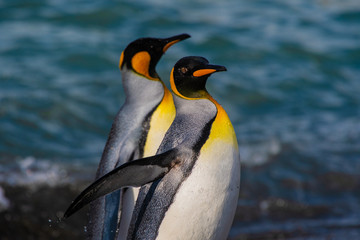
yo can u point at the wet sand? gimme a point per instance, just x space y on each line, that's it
34 214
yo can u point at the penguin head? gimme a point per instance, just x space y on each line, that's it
143 54
189 75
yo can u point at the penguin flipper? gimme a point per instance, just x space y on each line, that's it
131 174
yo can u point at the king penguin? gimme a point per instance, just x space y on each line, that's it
190 187
136 132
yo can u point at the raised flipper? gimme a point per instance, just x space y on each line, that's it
132 174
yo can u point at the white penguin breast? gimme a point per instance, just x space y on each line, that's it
205 204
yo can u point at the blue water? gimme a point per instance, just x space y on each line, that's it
291 90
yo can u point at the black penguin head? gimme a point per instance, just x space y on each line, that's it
189 75
143 54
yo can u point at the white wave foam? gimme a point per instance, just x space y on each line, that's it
32 172
4 202
255 154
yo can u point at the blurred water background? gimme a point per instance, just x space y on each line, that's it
292 91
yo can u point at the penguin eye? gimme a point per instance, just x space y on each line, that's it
183 70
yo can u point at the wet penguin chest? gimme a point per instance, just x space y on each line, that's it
160 121
143 97
205 202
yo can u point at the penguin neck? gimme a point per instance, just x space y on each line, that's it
192 117
139 90
195 106
202 110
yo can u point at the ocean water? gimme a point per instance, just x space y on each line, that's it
292 91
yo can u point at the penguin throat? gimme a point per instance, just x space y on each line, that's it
193 94
192 88
139 90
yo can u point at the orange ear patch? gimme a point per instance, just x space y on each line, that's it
203 72
141 62
121 59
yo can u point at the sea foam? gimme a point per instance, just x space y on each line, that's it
33 172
